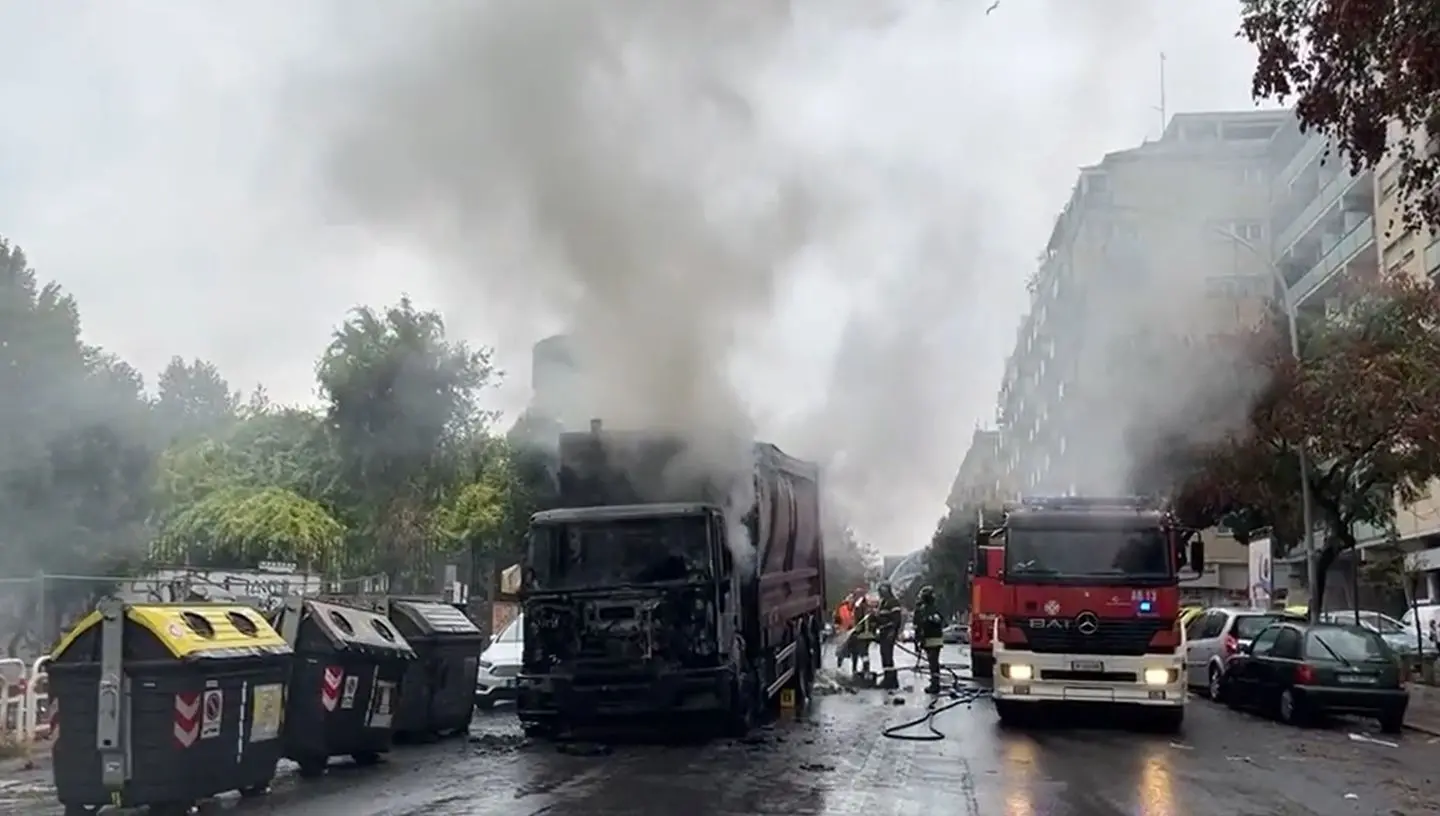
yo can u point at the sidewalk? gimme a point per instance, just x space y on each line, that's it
1424 712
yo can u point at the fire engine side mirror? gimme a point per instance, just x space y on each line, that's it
1195 560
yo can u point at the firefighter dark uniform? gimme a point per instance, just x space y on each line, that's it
930 631
889 617
858 644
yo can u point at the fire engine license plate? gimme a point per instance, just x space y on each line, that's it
1086 665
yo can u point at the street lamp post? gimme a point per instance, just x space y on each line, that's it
1306 512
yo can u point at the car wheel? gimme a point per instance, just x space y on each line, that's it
1289 708
1392 723
1215 685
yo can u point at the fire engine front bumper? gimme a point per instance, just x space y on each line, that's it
1144 680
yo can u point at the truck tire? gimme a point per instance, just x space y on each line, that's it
739 719
982 666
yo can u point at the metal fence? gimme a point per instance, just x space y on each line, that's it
36 611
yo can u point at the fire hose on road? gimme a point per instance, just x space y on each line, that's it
957 695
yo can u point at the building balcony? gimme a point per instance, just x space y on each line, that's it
1345 251
1312 151
1341 185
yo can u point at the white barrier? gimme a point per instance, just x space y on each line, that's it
26 711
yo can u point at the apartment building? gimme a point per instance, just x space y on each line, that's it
1322 222
1165 240
979 480
1165 243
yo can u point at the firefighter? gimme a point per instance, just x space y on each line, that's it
889 617
930 631
857 646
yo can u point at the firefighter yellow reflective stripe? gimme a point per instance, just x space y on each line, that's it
934 642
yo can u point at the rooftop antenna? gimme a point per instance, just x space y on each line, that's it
1161 106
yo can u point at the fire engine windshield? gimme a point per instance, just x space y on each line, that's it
595 555
1096 555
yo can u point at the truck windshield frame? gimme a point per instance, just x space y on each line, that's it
1079 554
581 555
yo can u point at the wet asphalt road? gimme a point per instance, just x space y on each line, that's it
834 761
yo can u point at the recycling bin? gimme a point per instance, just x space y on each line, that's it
345 679
167 704
438 693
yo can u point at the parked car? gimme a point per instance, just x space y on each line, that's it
1394 632
956 633
1213 636
1418 619
1301 670
500 665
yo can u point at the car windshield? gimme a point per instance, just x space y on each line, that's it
1093 554
600 554
1248 626
512 631
1345 644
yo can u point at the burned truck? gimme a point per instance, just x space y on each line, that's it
671 588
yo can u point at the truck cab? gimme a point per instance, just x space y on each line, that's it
625 612
1090 606
646 596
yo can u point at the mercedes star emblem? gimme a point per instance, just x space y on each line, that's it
1087 623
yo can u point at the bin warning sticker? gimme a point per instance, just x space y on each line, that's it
380 710
214 708
266 712
352 683
330 687
187 719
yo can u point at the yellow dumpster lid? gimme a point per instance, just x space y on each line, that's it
196 630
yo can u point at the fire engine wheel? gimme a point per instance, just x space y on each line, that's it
1169 720
1010 712
982 667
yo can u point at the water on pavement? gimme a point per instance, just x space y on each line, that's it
834 760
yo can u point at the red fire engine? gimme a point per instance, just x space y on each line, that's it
1082 597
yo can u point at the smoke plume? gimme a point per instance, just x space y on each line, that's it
665 180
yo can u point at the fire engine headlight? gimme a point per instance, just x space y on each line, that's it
1159 677
1019 672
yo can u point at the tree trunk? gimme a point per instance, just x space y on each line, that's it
1339 541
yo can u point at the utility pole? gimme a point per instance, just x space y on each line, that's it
1162 94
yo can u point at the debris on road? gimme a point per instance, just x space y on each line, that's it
1354 737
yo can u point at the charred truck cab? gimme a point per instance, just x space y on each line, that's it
1090 607
647 596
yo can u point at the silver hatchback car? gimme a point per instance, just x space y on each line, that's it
1214 635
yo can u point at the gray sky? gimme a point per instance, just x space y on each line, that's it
164 163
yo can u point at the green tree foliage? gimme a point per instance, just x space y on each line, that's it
403 417
193 399
76 437
948 559
1364 403
245 525
1352 68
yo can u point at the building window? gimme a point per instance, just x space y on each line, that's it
1253 231
1249 175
